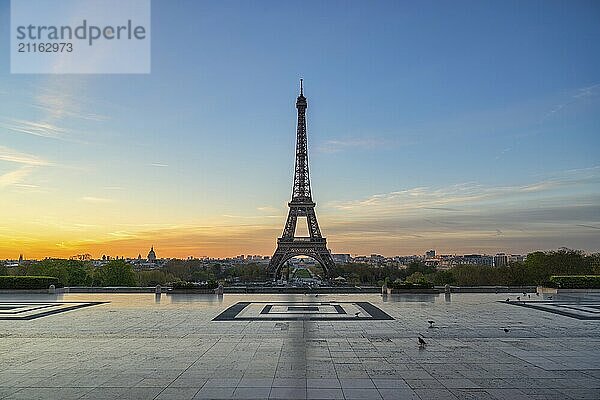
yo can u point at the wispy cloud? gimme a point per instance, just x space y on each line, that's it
15 177
257 217
588 226
176 241
161 165
458 197
338 145
268 209
42 129
558 211
58 103
122 234
11 155
97 200
578 95
61 105
28 164
588 91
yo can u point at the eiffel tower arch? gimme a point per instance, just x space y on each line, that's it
301 205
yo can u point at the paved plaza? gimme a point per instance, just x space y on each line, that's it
139 346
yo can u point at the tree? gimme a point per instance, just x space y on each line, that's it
443 278
68 272
115 273
153 277
418 266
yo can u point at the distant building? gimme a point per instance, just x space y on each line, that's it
152 255
432 262
500 260
516 258
341 258
430 254
377 258
20 259
478 259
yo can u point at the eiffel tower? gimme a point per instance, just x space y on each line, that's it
302 205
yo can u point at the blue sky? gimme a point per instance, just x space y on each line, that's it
431 124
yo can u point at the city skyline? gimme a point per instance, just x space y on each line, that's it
428 128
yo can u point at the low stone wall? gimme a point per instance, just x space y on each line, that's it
489 289
31 291
548 290
299 290
110 289
413 291
190 291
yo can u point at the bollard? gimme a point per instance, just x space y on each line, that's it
219 290
447 288
447 297
52 289
158 289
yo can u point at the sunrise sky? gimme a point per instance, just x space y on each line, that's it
459 126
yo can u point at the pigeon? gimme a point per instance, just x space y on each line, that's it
507 300
422 343
528 296
506 330
549 297
357 314
537 294
431 323
524 293
317 295
518 298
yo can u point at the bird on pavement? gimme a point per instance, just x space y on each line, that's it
431 323
422 343
507 300
549 297
518 298
506 330
357 314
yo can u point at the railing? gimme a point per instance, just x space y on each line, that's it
302 239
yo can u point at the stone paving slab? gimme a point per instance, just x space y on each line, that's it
138 346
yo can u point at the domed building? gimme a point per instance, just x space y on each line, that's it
152 255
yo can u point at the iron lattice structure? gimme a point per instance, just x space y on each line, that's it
302 205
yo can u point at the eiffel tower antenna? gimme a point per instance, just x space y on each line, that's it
301 205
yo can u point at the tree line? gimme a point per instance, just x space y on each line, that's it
535 270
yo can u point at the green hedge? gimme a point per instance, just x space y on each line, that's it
575 281
27 282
